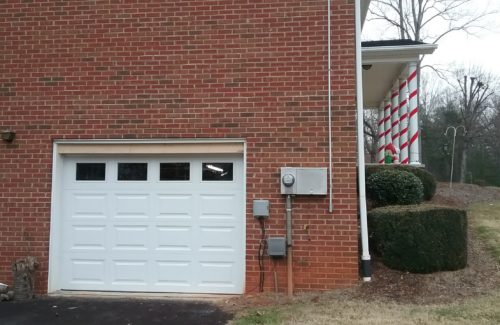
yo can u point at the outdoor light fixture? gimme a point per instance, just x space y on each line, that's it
8 135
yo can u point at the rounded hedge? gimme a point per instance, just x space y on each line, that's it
419 238
428 180
391 187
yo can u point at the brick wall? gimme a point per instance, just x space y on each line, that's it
184 69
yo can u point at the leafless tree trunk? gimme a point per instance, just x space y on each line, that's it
370 123
463 164
476 91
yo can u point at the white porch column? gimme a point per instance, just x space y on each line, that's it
381 135
387 121
395 115
403 120
413 113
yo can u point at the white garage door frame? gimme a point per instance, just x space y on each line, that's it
132 148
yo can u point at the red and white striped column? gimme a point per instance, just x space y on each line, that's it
413 113
395 116
387 121
403 121
381 135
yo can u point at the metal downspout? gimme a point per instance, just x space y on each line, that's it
365 256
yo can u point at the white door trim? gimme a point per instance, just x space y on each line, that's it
55 219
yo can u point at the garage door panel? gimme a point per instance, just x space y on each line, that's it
174 238
86 205
85 271
132 205
217 238
130 237
86 237
173 273
174 206
153 235
218 205
130 272
216 274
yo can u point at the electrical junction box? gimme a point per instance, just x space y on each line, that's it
261 209
276 246
303 181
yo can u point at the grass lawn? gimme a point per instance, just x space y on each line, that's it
485 218
482 310
338 307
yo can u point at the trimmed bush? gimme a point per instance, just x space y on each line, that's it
419 238
391 187
427 179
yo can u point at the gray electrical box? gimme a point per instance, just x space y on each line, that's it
276 246
303 181
261 209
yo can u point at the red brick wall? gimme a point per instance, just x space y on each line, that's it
184 69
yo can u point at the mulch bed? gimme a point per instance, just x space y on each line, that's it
481 276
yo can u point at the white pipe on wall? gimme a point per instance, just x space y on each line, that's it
365 255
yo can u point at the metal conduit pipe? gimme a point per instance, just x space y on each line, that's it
330 169
289 242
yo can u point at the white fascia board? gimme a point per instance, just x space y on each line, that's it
396 54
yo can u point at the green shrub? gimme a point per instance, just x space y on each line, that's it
390 187
372 169
419 238
427 179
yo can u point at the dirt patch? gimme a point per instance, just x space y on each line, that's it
462 195
482 274
480 277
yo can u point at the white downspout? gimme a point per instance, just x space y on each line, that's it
365 256
330 169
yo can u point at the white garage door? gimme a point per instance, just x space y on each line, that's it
152 224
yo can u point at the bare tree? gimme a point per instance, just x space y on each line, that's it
370 122
476 91
428 20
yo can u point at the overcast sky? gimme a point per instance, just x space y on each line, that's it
481 49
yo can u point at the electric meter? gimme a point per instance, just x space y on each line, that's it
288 180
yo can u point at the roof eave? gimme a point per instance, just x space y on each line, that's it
399 53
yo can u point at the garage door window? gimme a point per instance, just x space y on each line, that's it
217 171
132 171
90 171
174 171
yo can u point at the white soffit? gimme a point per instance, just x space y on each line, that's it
396 54
383 65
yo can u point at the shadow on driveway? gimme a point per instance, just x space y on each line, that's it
74 311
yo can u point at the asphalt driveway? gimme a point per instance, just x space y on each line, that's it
73 311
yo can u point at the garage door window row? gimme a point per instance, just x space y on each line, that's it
178 171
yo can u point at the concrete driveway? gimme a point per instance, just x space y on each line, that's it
84 310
